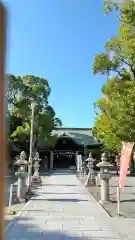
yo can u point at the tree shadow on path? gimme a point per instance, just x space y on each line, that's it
34 229
59 200
25 228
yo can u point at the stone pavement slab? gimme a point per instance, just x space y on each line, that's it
63 209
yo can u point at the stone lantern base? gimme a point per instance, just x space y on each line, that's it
90 179
104 202
104 187
91 182
36 181
104 177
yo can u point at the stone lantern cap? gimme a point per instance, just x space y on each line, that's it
21 162
37 158
90 158
104 165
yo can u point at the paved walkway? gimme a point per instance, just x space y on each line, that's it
63 210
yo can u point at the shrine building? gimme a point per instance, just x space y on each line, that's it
69 143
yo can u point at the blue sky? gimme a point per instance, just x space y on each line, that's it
57 40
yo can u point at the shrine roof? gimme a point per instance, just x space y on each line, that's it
82 136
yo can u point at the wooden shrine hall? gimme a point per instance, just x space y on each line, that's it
69 143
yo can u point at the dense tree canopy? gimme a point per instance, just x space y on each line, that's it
21 92
116 110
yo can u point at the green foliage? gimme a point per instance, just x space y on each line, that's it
109 6
22 91
103 132
114 122
119 56
102 64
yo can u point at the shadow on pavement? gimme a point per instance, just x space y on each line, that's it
65 193
30 229
126 186
59 200
124 201
60 185
62 172
41 229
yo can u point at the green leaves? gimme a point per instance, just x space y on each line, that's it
109 6
20 95
36 88
115 121
119 56
102 64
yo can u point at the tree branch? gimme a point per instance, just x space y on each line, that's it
130 65
119 73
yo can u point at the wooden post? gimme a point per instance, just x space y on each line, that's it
118 200
3 152
10 198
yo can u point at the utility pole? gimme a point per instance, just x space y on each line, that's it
33 104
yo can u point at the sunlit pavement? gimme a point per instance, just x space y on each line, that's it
63 209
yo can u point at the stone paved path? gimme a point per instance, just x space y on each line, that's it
63 210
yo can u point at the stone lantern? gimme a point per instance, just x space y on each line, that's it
132 165
104 177
22 175
91 173
36 177
84 167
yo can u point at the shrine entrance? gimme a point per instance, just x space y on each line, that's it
64 153
70 142
64 159
68 145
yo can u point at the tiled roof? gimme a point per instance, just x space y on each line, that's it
82 136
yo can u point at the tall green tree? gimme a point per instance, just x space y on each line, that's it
116 113
119 55
21 92
116 110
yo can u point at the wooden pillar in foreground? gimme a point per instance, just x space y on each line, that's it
3 150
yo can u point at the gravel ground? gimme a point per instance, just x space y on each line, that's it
127 204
